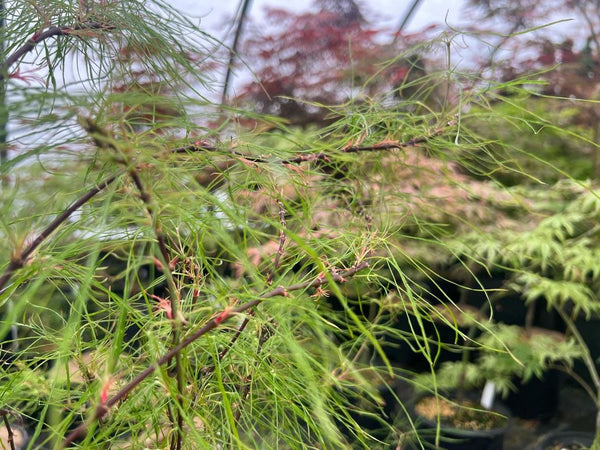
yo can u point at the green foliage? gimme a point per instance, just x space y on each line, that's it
553 256
173 277
514 353
529 138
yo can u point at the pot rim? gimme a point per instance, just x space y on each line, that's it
498 408
565 434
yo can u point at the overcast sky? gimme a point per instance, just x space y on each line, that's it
385 12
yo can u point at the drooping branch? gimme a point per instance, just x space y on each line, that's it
161 240
177 315
282 240
19 259
269 279
102 139
200 146
265 331
6 63
46 34
281 291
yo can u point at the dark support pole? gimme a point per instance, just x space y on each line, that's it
411 10
234 48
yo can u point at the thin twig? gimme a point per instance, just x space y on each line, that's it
587 357
46 34
102 139
578 379
9 431
588 360
282 239
177 316
217 320
19 259
235 337
590 24
208 370
162 243
314 156
409 14
264 333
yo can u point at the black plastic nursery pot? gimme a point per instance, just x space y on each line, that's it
473 428
566 440
589 328
445 342
374 420
535 399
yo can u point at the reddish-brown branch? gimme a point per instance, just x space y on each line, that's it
215 322
269 279
279 252
160 236
21 256
263 335
177 437
200 146
46 34
234 339
9 431
264 332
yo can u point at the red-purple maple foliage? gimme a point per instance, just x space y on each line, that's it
569 54
332 55
319 58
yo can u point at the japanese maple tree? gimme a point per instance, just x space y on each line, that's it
320 58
